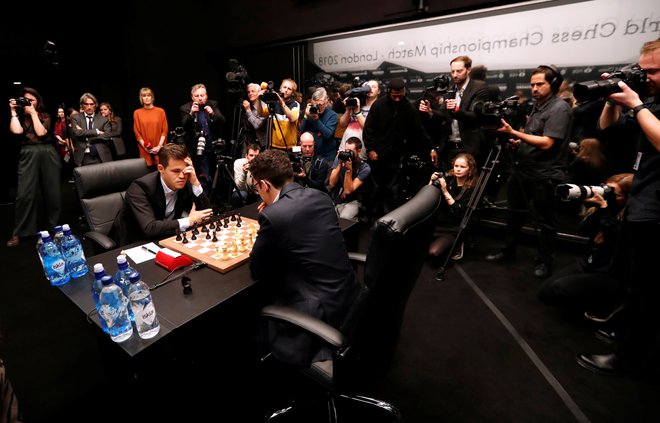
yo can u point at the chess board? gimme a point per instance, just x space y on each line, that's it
234 235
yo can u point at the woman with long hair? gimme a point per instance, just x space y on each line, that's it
115 133
457 188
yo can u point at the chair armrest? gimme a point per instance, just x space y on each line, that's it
357 257
100 239
314 326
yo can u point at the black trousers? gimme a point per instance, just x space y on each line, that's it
535 196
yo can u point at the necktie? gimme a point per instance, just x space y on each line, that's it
90 124
203 123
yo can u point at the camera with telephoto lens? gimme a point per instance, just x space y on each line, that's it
490 113
570 192
346 155
313 110
296 158
632 75
23 102
351 102
201 144
356 92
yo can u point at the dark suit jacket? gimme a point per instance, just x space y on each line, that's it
143 214
472 136
84 136
300 253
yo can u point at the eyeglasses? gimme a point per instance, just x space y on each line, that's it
255 186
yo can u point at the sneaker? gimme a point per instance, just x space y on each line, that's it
458 253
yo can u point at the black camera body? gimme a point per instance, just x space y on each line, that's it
270 97
346 155
177 136
441 84
23 102
490 113
201 106
632 75
351 102
296 159
313 110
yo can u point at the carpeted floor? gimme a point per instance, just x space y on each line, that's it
477 347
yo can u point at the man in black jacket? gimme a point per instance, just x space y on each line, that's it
393 132
162 202
202 120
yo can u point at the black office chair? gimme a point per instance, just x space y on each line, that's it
101 189
365 343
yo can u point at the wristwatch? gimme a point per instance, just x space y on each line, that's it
637 109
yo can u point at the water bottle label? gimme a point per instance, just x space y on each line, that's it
147 315
59 267
109 314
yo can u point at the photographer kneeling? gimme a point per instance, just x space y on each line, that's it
310 170
348 175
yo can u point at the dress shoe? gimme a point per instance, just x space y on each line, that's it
500 257
595 317
605 364
542 270
13 241
609 336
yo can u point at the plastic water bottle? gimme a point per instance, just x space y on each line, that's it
123 278
97 286
143 308
73 253
58 236
40 242
54 262
114 309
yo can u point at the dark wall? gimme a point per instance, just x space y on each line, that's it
115 51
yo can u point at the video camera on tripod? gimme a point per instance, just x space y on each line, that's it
270 96
236 77
490 113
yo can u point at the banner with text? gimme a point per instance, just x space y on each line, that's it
576 34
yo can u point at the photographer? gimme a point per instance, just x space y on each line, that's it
591 283
457 188
310 170
243 178
284 131
38 166
321 121
254 126
540 165
641 227
355 114
202 120
347 177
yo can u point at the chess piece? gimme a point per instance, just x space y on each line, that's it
204 228
178 235
226 225
215 238
194 236
208 234
212 225
233 218
185 239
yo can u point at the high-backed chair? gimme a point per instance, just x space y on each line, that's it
365 343
101 189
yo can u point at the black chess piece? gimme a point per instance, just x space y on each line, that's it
178 235
195 231
215 238
238 223
208 234
212 225
194 236
204 228
233 218
185 239
226 225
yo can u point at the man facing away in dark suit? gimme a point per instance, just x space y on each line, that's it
164 201
300 253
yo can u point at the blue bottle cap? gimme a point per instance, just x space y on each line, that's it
106 280
134 277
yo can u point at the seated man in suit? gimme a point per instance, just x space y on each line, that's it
164 201
300 253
